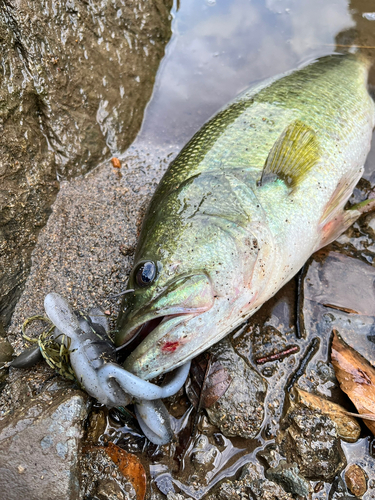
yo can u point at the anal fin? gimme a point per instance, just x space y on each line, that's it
337 225
335 219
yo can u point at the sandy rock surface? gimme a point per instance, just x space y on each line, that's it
39 446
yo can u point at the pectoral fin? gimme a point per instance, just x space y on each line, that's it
292 156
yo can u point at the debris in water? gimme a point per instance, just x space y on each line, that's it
348 428
356 377
209 380
355 479
130 466
116 162
278 355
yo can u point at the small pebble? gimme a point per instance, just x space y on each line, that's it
318 487
355 479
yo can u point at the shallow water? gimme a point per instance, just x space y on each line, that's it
220 47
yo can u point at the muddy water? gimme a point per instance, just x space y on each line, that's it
216 50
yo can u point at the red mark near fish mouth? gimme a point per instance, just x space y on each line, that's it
170 346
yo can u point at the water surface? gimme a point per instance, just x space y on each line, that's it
219 47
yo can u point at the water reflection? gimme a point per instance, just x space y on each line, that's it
220 48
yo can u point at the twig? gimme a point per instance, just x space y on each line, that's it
278 355
310 352
206 373
300 326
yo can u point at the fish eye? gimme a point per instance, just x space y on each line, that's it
145 274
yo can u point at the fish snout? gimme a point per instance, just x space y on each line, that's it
183 297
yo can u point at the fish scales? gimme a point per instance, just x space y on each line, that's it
254 193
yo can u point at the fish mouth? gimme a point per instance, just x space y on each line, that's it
139 333
182 298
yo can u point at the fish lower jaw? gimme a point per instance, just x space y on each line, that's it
152 332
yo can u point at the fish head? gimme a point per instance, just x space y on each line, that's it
191 282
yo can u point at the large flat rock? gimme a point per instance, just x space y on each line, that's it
39 447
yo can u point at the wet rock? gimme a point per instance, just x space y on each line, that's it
251 486
309 439
339 490
23 386
206 427
6 351
39 448
356 481
108 489
96 426
204 453
240 411
272 330
348 428
287 476
74 83
177 496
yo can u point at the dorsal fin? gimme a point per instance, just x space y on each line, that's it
294 153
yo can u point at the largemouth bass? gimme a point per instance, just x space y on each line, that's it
254 193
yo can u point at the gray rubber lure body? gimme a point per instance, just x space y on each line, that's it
27 358
93 359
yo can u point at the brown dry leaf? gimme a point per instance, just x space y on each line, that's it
203 387
131 468
356 377
347 427
116 162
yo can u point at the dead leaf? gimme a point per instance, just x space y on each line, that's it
130 467
116 162
348 428
206 388
356 377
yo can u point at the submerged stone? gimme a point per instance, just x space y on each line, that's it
287 475
251 486
309 439
356 480
240 411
